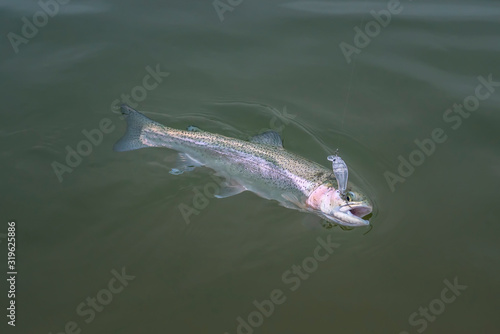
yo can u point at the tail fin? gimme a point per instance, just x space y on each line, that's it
136 124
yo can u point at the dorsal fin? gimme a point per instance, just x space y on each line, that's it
193 128
268 138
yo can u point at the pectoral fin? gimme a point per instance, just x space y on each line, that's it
183 164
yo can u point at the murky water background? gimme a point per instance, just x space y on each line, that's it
268 65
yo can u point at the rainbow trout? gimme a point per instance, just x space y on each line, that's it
260 165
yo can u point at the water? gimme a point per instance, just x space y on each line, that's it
268 65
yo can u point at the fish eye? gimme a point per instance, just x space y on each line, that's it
350 196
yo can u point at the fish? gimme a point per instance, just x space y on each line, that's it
260 165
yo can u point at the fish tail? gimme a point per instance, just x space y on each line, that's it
135 136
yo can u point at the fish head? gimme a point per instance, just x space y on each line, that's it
347 210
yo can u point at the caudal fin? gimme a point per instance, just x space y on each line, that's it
137 123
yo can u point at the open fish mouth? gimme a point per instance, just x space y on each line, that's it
359 210
351 214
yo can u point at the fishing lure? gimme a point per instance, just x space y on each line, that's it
340 170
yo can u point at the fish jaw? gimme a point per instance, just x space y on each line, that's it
327 202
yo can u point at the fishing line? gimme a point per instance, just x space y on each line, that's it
346 103
349 88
